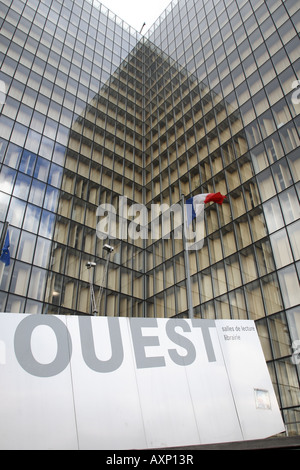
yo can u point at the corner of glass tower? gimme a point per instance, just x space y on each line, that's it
99 124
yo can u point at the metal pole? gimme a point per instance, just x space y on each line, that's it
103 283
109 249
92 292
186 262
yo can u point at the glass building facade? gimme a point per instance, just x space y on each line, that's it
207 101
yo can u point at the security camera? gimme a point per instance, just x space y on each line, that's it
90 265
108 248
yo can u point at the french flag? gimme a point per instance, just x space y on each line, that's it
5 255
195 205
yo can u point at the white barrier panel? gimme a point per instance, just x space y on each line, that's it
72 382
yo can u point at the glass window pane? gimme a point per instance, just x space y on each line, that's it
290 205
42 169
15 304
266 184
47 225
279 335
13 155
248 265
264 336
26 247
46 148
273 215
289 284
19 134
16 212
281 248
259 158
293 318
33 141
294 163
42 252
282 175
294 236
27 162
20 278
7 178
32 218
51 199
274 148
264 256
55 175
289 137
22 186
266 122
254 301
3 146
37 284
4 202
271 293
37 192
233 272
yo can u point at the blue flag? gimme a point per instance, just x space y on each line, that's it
5 255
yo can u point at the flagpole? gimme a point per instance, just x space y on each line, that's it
187 262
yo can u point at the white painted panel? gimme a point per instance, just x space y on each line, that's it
164 394
108 411
211 392
120 383
248 372
35 412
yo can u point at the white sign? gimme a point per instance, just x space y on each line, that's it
71 382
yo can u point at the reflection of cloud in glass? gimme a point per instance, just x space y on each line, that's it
32 218
22 186
33 141
16 212
2 92
42 169
7 177
27 162
46 148
51 199
47 224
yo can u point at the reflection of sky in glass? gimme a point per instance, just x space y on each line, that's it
55 175
33 141
27 162
7 178
42 169
32 218
47 224
37 192
26 247
51 199
16 212
22 186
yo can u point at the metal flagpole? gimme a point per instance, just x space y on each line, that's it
103 282
109 249
186 261
91 265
